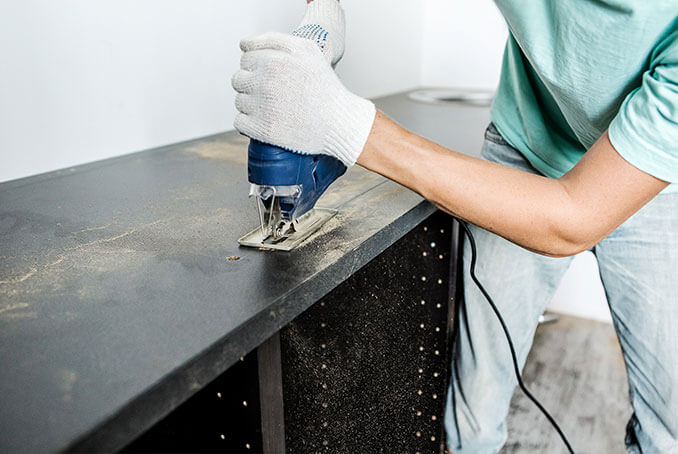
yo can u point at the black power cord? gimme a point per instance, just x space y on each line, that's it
516 369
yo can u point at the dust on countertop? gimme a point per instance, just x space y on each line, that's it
99 252
227 147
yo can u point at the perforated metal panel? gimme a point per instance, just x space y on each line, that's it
365 369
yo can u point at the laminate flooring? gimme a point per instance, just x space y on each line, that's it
575 368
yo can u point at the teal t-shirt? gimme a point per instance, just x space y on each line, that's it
574 68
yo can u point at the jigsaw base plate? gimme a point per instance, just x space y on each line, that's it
304 227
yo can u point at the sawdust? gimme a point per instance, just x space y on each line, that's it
13 311
67 379
228 147
338 235
112 238
391 193
86 269
19 315
92 229
13 306
334 196
55 263
19 279
331 234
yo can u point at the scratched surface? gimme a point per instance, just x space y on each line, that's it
123 290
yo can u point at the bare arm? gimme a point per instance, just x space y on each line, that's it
556 217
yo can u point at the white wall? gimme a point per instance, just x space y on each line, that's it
463 42
83 80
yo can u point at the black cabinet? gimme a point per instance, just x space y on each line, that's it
365 369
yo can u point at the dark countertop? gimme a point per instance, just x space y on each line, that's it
120 294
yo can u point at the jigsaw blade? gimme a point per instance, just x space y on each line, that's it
291 233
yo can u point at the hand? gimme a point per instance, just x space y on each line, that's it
324 24
290 97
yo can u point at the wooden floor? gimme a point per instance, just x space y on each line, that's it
576 370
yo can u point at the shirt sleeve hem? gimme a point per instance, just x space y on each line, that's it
637 152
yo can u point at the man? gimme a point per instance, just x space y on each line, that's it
580 155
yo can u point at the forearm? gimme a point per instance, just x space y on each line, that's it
550 216
541 214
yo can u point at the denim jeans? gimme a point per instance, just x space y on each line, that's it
638 265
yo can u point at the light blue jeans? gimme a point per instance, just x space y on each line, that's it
638 265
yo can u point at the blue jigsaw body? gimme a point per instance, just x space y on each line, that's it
268 165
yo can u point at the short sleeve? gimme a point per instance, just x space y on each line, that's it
645 130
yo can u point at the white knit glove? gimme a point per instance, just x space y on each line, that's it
324 24
290 97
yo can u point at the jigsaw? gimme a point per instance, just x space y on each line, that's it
286 186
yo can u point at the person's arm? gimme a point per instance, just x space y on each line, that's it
288 96
556 217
